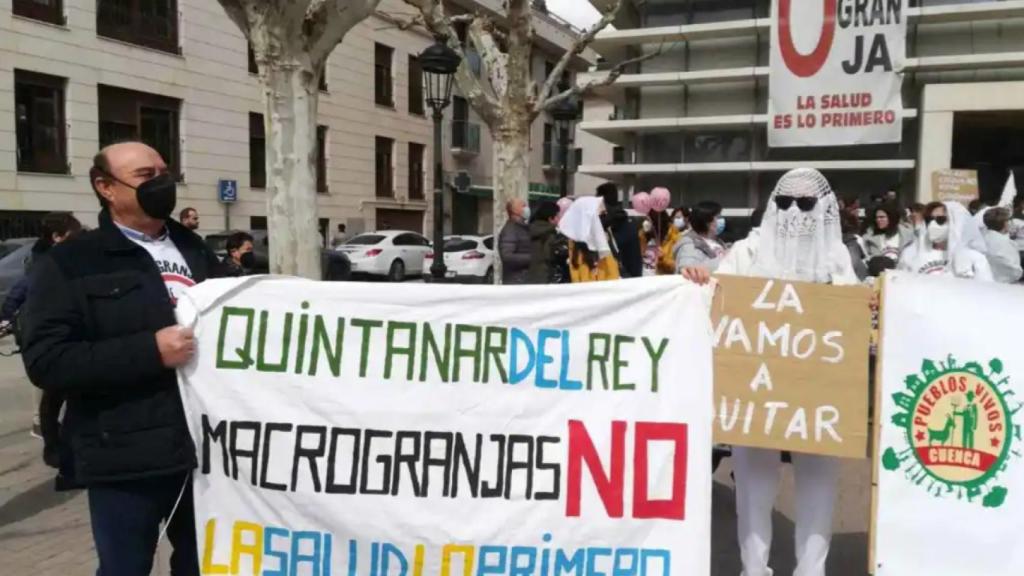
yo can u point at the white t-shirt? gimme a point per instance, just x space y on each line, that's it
892 247
173 269
934 262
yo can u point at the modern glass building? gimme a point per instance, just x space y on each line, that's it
694 118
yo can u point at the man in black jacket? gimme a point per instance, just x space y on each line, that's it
624 232
100 328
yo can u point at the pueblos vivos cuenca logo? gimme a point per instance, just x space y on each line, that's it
961 431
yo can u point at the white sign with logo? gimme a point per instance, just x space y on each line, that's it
836 72
950 473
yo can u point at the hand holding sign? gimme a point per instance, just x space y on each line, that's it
791 366
176 344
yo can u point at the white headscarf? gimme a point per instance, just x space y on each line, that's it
964 236
803 246
582 223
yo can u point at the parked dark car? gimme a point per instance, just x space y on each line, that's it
14 254
336 265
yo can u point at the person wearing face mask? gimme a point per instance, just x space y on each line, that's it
886 236
659 237
100 327
1003 256
952 245
591 258
679 217
238 246
514 243
58 227
547 246
800 239
624 234
700 247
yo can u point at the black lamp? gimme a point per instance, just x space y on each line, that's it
439 64
565 114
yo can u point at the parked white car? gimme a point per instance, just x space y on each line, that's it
467 258
392 254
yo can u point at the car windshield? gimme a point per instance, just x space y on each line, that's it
365 240
459 244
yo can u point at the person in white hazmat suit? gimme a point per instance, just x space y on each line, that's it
952 245
800 239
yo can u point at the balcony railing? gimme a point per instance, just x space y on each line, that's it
553 154
465 137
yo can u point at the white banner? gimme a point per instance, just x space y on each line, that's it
373 429
951 480
836 72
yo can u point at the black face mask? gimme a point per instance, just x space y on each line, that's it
248 260
157 196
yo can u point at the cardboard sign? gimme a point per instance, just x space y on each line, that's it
949 468
791 365
835 72
352 428
955 185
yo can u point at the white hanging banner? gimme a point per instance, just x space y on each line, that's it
375 429
836 72
950 496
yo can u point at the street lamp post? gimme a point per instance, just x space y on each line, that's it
565 115
439 63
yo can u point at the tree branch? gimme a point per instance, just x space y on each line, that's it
496 61
327 22
402 21
440 25
578 46
613 75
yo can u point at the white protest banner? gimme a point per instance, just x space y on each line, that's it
835 72
950 494
371 429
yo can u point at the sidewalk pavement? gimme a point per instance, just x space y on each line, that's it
45 533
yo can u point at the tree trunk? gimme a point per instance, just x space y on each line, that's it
290 96
511 175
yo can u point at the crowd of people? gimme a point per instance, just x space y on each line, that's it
100 339
804 233
595 238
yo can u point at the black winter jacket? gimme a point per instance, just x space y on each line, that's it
94 308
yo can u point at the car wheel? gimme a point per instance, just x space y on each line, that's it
397 272
489 277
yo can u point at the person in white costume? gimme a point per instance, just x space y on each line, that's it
800 239
951 246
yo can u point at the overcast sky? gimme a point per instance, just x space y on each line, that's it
580 13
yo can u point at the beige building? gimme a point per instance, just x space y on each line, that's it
694 118
76 74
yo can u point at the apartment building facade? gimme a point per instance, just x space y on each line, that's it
177 74
694 118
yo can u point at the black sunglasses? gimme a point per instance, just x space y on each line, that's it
804 203
940 220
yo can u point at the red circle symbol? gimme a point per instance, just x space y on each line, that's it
804 65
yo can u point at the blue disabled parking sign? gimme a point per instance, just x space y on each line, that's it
227 191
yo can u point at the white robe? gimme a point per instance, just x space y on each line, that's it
757 476
1003 257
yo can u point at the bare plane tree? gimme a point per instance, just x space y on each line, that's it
507 99
292 40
